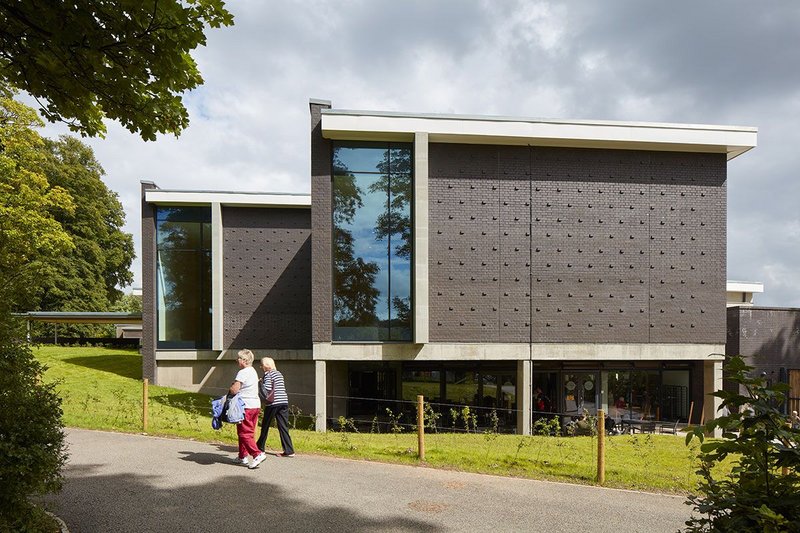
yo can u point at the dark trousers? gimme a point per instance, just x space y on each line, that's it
281 415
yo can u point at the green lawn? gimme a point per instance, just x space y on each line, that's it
102 389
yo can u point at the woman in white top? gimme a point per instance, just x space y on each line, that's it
246 385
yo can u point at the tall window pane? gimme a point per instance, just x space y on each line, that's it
183 243
372 242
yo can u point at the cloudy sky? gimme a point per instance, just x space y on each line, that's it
713 62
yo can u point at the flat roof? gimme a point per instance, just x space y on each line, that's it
240 199
341 124
744 286
77 317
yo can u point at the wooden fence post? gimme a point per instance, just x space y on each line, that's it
691 408
601 447
145 384
421 426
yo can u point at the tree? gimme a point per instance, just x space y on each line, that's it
129 303
756 496
30 235
31 432
128 60
87 277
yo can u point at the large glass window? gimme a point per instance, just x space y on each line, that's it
183 243
486 390
372 242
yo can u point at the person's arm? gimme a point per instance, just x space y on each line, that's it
235 386
266 385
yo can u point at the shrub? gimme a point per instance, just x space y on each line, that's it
32 449
757 495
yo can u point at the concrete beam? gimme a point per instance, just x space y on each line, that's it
517 351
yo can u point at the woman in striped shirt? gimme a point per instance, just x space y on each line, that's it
276 401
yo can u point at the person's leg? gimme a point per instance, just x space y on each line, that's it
242 448
269 414
282 417
247 429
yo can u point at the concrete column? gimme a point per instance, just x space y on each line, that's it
712 382
604 391
420 246
320 396
217 265
524 397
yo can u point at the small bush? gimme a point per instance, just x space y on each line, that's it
32 449
757 495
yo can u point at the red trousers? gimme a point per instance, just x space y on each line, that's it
245 430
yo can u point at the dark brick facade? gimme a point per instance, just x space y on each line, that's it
148 346
767 337
266 278
322 288
531 244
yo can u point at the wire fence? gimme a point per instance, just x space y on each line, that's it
384 415
460 429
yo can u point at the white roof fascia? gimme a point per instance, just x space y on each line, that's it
240 199
744 286
367 125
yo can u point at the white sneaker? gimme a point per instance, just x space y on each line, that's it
257 461
244 461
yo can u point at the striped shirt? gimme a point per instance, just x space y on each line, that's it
274 380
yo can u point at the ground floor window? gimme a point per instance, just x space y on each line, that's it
624 393
380 392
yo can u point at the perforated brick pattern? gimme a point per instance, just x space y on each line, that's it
267 278
576 245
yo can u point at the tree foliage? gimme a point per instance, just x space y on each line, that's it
32 448
756 496
87 277
30 235
128 60
31 432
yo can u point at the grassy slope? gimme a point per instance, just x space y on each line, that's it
102 389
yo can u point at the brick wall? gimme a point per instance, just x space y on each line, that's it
148 346
768 337
576 245
322 288
267 278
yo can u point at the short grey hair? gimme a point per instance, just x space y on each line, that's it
268 362
246 356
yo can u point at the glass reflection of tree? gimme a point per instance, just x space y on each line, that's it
394 224
355 295
395 170
180 244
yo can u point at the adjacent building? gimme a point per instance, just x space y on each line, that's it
768 338
513 265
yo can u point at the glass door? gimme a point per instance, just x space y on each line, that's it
579 390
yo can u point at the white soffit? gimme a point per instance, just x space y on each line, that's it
369 125
241 199
744 286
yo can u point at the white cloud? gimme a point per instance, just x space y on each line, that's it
625 60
